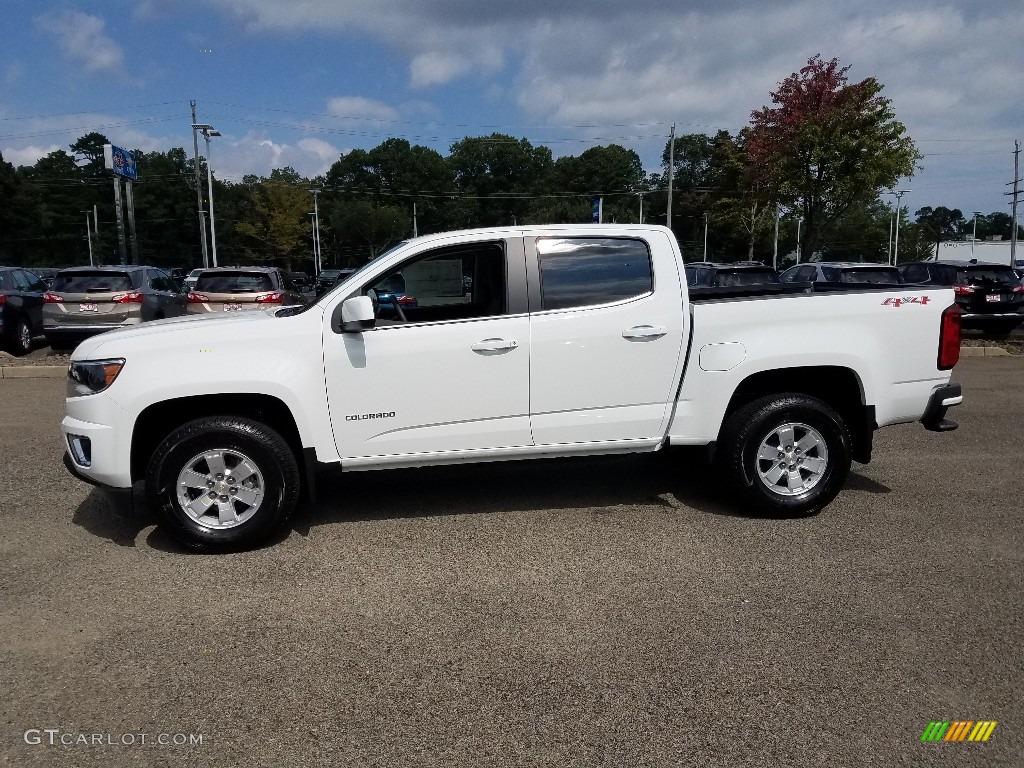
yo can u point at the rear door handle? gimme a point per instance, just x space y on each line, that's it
494 345
644 332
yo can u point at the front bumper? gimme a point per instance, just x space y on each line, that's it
942 399
120 500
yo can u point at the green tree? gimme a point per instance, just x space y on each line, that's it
275 223
376 227
828 144
943 223
499 174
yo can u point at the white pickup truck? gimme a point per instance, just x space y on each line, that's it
511 343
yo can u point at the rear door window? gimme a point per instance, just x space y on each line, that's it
741 277
234 282
92 282
587 271
870 276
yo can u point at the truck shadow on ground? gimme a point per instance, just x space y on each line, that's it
677 479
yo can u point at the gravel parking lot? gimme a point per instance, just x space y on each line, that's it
559 613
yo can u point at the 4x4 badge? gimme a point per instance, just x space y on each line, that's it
897 302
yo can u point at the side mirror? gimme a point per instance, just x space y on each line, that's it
357 314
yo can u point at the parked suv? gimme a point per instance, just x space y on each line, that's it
302 281
709 274
84 301
842 272
330 278
990 295
224 289
21 308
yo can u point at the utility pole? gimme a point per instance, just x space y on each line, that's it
671 171
199 188
415 231
1016 193
799 221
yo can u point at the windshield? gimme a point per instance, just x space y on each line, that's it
234 282
92 282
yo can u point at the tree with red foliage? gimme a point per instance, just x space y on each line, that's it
827 145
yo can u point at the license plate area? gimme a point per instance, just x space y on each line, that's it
994 297
88 308
232 307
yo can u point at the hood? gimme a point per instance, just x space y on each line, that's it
187 328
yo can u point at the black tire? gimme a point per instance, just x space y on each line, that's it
275 483
812 469
21 342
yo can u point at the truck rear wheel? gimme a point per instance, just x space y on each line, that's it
223 483
787 454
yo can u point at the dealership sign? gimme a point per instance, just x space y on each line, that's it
120 161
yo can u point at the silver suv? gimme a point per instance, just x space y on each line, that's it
84 301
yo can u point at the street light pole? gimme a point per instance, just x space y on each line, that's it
896 241
705 235
318 264
88 235
799 221
208 131
199 189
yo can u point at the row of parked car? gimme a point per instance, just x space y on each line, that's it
991 296
69 305
82 301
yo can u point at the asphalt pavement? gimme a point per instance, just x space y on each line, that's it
608 612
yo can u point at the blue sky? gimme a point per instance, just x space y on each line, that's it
299 82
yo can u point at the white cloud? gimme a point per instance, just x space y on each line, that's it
361 108
28 155
256 153
82 39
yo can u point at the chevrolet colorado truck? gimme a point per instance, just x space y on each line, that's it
510 343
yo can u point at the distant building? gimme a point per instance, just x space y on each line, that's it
994 251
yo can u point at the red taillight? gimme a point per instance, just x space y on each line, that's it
52 298
197 298
963 290
131 297
1019 289
949 337
3 299
270 298
406 300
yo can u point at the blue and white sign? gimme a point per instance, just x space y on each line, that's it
597 210
120 161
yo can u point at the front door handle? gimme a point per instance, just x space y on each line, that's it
494 345
644 332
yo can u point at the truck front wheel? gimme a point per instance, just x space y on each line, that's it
787 454
223 483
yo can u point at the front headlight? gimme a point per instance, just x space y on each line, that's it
87 377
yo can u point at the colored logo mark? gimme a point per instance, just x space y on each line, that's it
958 730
